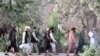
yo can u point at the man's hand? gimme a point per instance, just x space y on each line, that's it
38 40
55 42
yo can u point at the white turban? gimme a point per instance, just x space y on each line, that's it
27 27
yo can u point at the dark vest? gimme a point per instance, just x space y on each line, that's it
12 35
47 37
81 38
26 37
33 40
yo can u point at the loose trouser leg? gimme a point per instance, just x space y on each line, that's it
31 44
53 45
36 47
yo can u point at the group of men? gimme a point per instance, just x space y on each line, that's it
30 40
75 47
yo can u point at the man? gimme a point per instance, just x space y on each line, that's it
52 40
25 43
81 39
34 41
47 41
71 41
12 40
94 38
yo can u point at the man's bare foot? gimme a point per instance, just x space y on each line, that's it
55 53
30 54
6 53
67 54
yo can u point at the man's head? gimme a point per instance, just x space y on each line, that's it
73 29
47 29
27 28
13 26
84 27
34 28
51 29
93 28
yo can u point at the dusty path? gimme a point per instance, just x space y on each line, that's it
34 54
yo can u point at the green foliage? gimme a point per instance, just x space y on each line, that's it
91 51
98 1
20 29
19 34
61 41
3 44
18 11
98 52
85 47
53 20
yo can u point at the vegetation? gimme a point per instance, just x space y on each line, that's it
53 20
91 51
3 44
42 13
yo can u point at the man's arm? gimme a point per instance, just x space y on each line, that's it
52 37
23 38
33 33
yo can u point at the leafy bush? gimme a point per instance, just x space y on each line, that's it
98 1
98 52
3 45
23 53
53 20
91 51
85 47
61 41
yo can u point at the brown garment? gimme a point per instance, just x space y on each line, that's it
71 42
47 41
71 47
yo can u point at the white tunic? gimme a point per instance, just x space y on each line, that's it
92 40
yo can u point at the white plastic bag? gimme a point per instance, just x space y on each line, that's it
25 46
8 43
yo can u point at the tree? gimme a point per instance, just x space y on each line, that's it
80 10
15 11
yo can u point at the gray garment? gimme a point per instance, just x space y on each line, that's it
35 45
96 38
